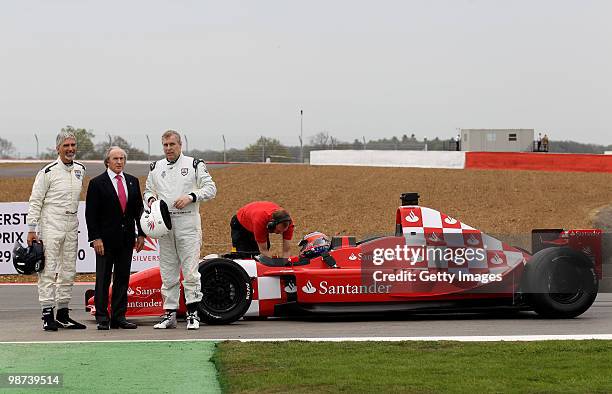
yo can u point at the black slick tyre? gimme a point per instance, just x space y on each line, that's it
226 291
560 282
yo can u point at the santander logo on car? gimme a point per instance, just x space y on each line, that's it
412 218
309 288
344 289
449 220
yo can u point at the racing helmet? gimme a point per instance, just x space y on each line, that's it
156 223
314 244
28 260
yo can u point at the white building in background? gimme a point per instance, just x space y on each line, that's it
497 140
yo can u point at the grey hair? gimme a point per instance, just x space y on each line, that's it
63 136
170 132
108 152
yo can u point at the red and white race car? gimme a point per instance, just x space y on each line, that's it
433 262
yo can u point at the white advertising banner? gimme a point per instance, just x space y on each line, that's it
13 228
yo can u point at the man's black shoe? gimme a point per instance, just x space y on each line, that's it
123 323
103 325
49 323
63 320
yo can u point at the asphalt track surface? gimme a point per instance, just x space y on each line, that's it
20 321
26 170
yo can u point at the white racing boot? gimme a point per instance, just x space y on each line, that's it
169 320
193 321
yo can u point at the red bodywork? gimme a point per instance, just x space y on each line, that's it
315 286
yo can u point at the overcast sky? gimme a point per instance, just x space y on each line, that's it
357 68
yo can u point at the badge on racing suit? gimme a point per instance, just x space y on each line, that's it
184 171
78 174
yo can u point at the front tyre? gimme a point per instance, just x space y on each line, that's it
560 282
226 291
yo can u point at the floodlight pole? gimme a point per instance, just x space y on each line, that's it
301 136
263 150
148 146
186 143
36 137
224 157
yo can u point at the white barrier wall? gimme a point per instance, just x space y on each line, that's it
389 158
13 228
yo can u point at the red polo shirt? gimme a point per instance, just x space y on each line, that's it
255 217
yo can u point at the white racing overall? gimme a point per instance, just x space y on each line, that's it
180 248
54 204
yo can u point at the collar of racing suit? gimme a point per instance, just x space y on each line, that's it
174 161
67 167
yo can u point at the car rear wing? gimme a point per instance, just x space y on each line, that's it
586 241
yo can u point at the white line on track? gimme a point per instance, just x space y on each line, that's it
491 338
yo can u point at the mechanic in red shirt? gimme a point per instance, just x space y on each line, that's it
253 223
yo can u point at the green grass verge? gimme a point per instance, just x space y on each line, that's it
416 367
140 367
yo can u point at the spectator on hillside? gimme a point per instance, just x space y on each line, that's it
545 143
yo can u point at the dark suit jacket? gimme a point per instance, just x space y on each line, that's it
103 214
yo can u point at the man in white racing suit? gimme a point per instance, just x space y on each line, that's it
182 182
52 218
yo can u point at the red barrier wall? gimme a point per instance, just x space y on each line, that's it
538 161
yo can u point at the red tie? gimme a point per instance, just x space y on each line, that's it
121 193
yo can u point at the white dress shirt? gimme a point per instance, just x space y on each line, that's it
112 176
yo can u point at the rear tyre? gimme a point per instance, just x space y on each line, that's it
560 282
226 291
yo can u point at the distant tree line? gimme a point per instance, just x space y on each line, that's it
577 147
266 148
6 149
87 150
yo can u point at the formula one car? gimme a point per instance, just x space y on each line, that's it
433 262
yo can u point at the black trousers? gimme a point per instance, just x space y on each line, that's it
244 240
115 263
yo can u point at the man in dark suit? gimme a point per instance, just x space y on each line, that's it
112 212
